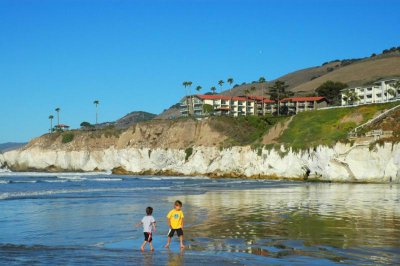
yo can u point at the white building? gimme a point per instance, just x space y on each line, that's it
200 105
296 105
378 92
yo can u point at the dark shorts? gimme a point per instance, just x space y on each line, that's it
148 237
172 232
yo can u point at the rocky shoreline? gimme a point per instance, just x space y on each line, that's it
341 163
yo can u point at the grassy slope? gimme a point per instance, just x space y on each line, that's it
247 130
358 73
309 129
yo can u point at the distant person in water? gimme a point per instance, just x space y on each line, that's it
149 226
175 223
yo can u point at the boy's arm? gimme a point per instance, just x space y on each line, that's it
169 223
154 226
138 224
183 222
168 219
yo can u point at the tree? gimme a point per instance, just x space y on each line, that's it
51 117
331 91
96 103
262 80
187 84
213 89
350 97
246 91
220 83
207 108
253 89
198 88
230 81
392 92
278 92
58 115
86 124
396 87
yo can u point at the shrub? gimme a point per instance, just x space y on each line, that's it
207 108
331 91
188 152
67 137
86 124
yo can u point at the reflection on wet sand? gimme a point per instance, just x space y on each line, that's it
340 222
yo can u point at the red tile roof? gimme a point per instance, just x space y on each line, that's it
268 101
220 97
61 125
235 98
303 99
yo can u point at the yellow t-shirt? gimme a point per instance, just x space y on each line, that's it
175 218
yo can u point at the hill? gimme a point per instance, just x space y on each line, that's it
307 129
354 72
357 74
170 113
326 127
10 146
129 119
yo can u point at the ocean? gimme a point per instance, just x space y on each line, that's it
88 219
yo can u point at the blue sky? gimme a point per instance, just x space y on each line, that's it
134 55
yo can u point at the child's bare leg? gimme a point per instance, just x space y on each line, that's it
151 246
181 239
143 245
168 242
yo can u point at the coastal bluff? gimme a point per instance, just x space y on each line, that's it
191 147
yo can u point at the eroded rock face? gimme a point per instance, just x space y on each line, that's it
342 163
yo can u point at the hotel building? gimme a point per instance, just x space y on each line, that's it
378 92
204 105
300 104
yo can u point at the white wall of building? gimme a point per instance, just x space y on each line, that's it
376 93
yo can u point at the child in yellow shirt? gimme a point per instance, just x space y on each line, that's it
175 223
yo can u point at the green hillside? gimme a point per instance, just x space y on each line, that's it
326 127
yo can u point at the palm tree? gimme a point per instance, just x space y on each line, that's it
198 88
51 117
396 87
96 103
58 115
220 83
350 97
213 89
189 83
392 92
186 84
262 80
253 90
230 81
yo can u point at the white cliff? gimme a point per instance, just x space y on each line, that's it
342 163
